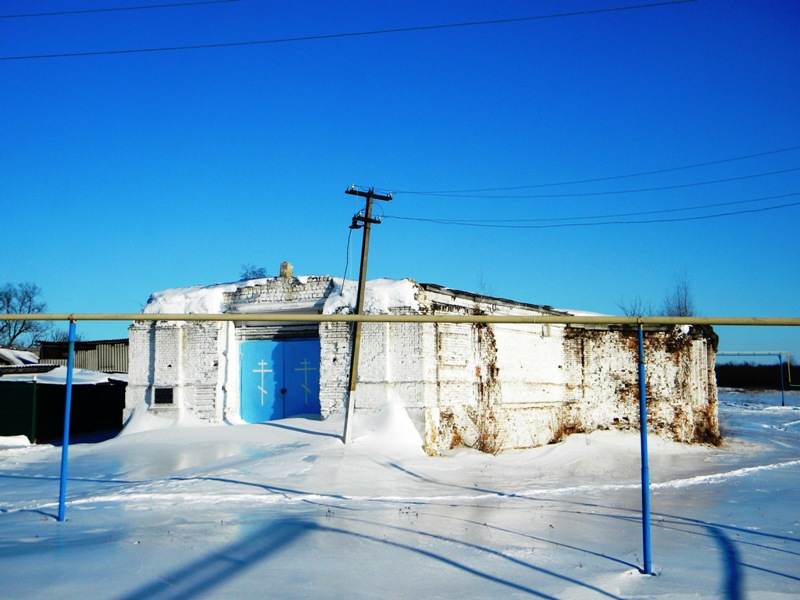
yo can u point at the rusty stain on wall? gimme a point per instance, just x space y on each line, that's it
491 387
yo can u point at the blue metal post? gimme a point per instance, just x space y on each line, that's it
645 466
780 363
67 408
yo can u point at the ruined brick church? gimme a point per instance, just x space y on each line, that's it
488 386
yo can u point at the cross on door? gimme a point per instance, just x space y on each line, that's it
305 368
262 363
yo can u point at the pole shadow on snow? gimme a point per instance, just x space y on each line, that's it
731 561
459 565
203 575
666 521
215 569
675 523
287 493
528 536
118 482
516 496
716 531
35 511
83 479
414 475
300 430
733 576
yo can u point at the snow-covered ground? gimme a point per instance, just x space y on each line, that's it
284 510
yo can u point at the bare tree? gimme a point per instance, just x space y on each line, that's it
484 287
635 308
250 271
23 299
61 336
678 301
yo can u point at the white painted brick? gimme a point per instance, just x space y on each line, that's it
493 387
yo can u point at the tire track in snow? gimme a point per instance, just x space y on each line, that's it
141 499
721 477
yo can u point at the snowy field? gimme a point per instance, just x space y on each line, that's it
284 510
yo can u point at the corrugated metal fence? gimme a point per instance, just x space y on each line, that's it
109 356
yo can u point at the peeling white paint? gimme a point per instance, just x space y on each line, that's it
492 387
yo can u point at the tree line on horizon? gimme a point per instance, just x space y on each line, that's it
754 376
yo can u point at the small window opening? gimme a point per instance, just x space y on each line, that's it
163 396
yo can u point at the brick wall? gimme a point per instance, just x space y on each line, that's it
392 364
140 366
182 357
489 386
516 386
334 368
200 368
280 292
679 374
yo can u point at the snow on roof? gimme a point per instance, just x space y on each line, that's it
582 313
14 441
196 299
17 357
58 376
382 295
514 306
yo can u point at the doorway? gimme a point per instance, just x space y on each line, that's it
279 379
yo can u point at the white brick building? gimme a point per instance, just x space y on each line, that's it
492 387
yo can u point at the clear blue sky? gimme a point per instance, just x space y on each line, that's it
123 174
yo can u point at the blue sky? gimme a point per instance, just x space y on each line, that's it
123 174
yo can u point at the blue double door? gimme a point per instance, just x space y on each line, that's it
279 379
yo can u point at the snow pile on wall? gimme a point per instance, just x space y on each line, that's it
143 420
196 299
14 441
382 295
388 429
18 357
58 376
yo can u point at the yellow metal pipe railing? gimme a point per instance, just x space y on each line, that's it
438 318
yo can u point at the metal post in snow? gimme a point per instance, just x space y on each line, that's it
67 408
33 412
645 465
779 354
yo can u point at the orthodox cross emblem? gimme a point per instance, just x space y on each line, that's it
262 363
305 368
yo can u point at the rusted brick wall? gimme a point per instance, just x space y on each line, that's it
492 386
680 383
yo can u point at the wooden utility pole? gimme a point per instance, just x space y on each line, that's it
358 221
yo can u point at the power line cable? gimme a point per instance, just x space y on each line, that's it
114 9
349 34
614 192
616 215
347 260
609 178
599 223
